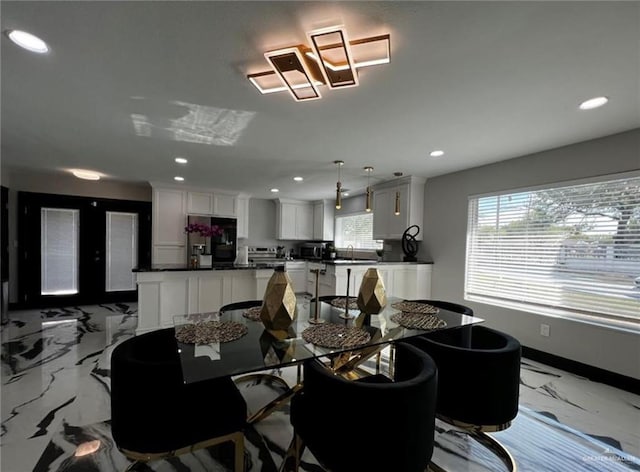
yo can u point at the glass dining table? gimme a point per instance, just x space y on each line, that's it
259 349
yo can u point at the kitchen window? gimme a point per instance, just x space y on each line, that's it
570 251
356 230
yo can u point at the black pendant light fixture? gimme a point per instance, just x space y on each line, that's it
396 210
339 164
368 169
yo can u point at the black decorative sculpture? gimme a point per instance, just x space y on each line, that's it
409 243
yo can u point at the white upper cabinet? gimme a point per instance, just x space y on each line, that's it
323 213
169 217
171 205
388 225
200 203
243 216
225 204
294 220
212 203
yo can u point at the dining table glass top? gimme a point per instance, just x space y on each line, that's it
259 349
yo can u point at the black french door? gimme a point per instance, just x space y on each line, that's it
70 245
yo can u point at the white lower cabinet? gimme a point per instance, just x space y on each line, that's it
164 294
297 271
408 281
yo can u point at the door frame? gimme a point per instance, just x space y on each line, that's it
92 249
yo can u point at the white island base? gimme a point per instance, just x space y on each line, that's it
164 294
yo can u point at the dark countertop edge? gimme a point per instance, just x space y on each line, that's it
268 265
168 268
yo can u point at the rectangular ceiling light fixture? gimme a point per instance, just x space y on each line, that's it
295 73
331 47
332 60
371 51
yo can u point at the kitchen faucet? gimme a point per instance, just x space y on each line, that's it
350 246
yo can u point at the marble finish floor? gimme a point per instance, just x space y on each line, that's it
55 386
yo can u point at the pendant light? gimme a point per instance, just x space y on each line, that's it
397 205
368 169
339 164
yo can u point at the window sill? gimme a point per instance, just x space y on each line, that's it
591 319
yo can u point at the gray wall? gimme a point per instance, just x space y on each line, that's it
445 242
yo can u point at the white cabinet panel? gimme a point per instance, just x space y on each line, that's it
210 294
243 217
169 255
323 220
169 217
304 222
388 225
200 203
224 204
294 220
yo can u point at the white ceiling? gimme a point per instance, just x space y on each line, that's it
485 81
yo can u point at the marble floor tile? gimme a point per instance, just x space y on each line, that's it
55 395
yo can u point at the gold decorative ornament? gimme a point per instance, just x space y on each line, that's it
279 303
372 297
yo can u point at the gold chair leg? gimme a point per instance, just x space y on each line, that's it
490 443
291 460
238 447
498 449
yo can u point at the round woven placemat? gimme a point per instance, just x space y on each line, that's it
415 307
339 302
206 332
418 321
333 335
252 313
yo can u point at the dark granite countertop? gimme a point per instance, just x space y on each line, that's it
267 265
217 266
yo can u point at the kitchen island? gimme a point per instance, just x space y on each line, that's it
169 290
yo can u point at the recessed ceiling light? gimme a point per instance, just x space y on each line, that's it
178 178
27 41
298 179
181 160
345 194
436 153
86 174
592 103
275 190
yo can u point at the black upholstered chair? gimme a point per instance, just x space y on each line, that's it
371 424
155 415
478 380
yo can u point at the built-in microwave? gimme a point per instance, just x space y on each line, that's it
312 250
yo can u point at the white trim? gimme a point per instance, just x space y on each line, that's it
562 183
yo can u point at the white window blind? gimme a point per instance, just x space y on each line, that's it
357 231
121 251
574 248
59 230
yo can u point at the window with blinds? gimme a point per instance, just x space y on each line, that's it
573 250
356 230
59 231
122 251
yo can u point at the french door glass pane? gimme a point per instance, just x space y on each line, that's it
59 231
122 251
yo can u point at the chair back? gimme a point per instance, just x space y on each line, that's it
345 422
